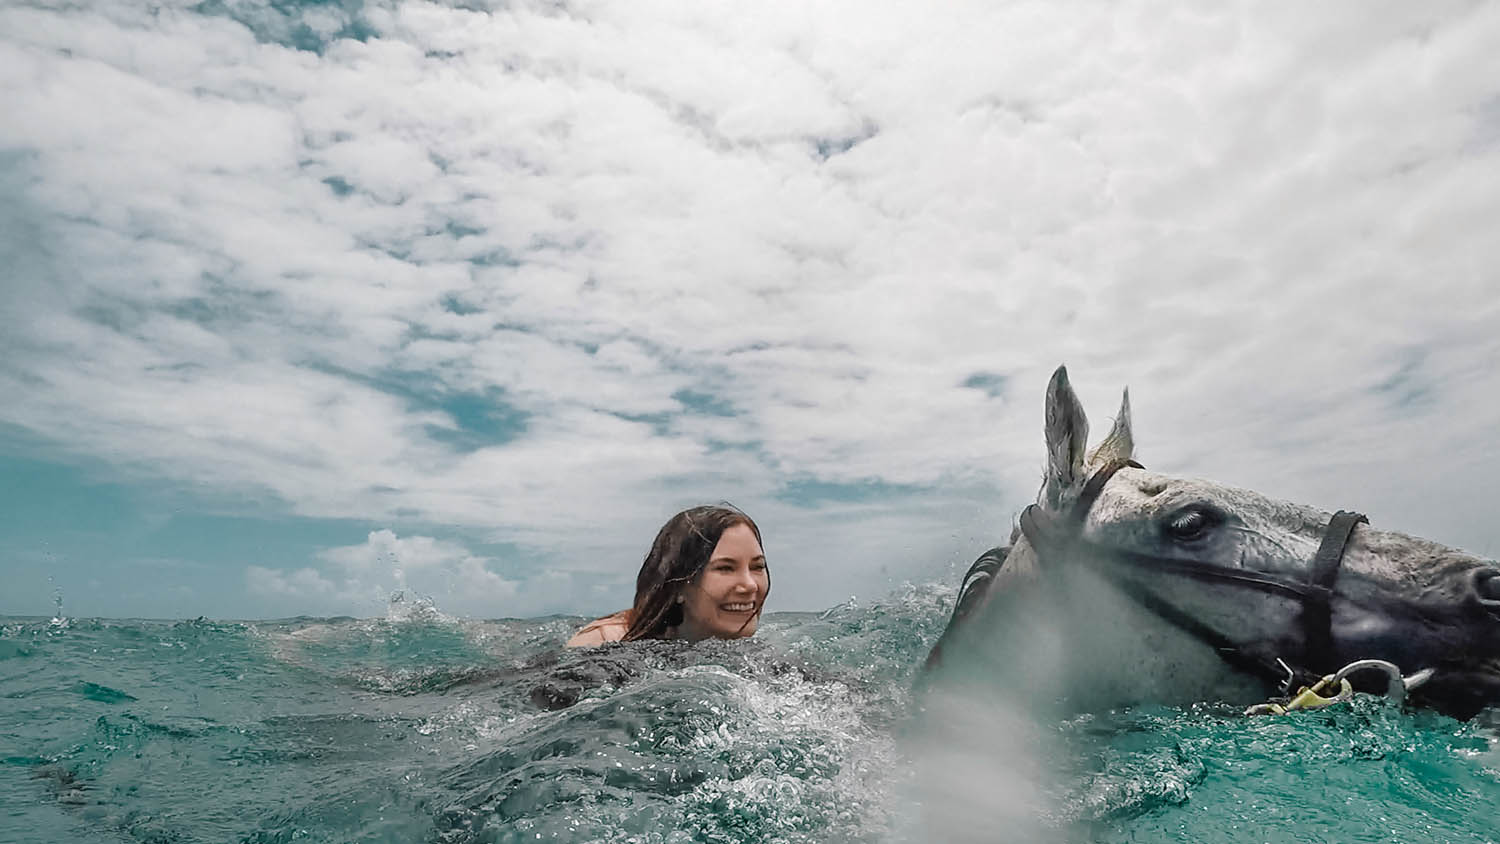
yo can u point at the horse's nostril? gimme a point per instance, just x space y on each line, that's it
1487 587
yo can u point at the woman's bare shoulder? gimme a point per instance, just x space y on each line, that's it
610 628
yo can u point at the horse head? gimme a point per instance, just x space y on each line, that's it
1125 586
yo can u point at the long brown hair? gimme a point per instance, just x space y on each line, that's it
682 549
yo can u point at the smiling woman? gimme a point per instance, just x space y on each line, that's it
705 577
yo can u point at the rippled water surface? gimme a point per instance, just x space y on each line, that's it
423 728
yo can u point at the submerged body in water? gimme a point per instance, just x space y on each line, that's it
424 729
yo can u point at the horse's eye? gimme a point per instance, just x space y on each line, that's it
1191 523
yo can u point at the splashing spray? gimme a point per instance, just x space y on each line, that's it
58 619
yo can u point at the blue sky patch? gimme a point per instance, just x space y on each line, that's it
339 185
114 547
480 419
483 420
284 23
828 147
705 404
1406 387
661 423
991 384
457 306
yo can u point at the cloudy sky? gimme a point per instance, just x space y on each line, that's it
304 304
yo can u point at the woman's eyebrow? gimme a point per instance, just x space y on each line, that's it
760 557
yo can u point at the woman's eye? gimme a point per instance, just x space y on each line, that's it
1192 523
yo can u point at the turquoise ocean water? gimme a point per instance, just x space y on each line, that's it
419 727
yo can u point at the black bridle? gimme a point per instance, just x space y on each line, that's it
1063 534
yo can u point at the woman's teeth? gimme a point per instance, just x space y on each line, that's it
737 607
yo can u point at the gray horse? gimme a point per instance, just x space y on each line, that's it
1123 586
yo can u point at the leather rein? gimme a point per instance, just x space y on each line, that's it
1063 534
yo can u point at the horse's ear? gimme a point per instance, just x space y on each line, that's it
1119 446
1067 431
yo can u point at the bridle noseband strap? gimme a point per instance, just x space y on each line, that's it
1325 566
1317 619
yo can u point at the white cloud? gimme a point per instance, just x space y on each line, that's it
1271 221
364 578
301 584
384 551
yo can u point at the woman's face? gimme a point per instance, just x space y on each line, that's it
725 601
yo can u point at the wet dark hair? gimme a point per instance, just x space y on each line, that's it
682 549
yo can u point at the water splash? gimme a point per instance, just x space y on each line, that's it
840 609
59 620
419 609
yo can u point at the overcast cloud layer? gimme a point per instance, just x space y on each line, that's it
502 288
